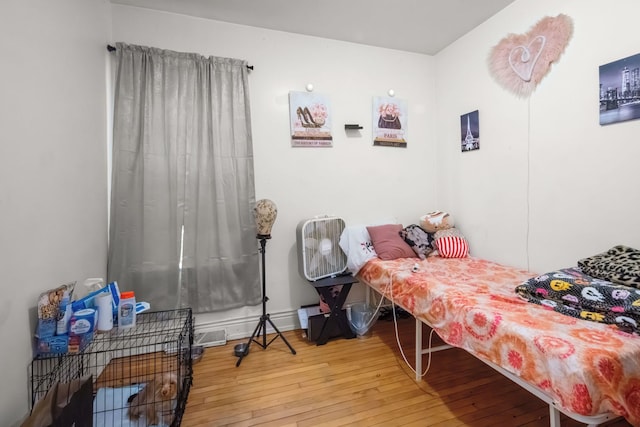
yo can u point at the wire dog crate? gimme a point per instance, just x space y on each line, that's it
141 376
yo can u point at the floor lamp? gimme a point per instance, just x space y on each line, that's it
265 213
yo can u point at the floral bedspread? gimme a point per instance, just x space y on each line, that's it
588 368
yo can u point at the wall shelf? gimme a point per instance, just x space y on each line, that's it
352 127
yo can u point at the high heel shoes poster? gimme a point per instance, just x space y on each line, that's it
390 122
310 117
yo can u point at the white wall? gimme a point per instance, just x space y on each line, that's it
52 167
548 186
545 169
354 179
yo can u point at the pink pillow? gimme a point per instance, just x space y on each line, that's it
452 247
388 243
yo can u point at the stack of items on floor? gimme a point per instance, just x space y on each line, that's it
66 325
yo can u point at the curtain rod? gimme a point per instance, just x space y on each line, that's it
113 48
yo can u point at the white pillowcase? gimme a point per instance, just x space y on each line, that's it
355 242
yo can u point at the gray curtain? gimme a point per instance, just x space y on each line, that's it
182 232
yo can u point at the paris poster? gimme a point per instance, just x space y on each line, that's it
470 131
389 122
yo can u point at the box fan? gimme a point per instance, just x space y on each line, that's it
319 252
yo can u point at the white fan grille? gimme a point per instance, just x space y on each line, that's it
319 252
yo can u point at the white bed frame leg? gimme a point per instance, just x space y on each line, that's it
554 416
418 350
554 412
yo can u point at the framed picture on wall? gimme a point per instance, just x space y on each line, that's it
389 122
310 117
620 90
470 131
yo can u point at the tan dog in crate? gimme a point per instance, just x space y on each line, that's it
156 401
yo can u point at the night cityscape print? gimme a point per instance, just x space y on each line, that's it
620 90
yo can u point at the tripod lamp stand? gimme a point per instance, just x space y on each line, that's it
265 213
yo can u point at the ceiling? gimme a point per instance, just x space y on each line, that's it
422 26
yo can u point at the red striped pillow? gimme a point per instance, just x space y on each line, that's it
452 247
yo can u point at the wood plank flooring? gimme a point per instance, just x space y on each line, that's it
357 382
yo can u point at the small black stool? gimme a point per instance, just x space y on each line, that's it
337 316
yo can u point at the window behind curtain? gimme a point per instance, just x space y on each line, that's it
182 231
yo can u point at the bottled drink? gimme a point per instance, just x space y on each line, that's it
127 310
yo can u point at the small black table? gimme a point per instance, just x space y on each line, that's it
337 315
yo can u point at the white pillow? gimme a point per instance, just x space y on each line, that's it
356 244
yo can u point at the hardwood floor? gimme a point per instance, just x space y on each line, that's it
357 382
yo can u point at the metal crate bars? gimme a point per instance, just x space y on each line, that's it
123 363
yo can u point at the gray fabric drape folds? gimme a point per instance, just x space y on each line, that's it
183 181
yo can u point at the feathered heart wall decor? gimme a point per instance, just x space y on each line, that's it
520 61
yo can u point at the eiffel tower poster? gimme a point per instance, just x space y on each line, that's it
470 131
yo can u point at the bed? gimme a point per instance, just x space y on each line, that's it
587 370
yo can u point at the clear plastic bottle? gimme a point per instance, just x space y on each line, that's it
62 326
127 310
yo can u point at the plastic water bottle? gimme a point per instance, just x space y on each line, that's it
127 310
62 325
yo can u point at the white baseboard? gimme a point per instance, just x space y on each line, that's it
239 328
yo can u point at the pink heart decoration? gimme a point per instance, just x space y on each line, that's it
524 65
520 61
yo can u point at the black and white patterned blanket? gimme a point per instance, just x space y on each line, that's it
620 264
571 292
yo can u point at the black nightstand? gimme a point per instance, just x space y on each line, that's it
337 316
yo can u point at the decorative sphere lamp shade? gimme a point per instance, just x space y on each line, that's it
265 213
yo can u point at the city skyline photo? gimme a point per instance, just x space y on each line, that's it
619 96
